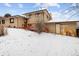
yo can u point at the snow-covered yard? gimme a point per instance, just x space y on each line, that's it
24 42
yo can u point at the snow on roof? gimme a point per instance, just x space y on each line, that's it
63 21
36 11
24 16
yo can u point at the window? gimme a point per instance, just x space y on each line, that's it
30 15
58 28
11 20
29 24
47 17
25 21
3 21
37 13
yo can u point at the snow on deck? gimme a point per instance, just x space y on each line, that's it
24 42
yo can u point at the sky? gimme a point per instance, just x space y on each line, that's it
57 10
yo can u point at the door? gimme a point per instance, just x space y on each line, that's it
77 32
58 28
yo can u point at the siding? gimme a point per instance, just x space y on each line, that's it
62 28
51 27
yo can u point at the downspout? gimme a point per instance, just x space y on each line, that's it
55 28
43 21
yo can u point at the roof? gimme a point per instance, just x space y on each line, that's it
1 17
35 11
38 11
52 21
20 16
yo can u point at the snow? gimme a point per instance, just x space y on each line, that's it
65 20
21 42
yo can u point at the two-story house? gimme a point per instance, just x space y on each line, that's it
36 17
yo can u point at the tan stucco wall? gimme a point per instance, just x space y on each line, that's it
34 18
18 22
45 16
7 22
51 27
61 28
71 27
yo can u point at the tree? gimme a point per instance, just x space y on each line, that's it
74 8
40 23
7 15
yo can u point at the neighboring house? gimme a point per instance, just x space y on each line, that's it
69 28
1 27
13 21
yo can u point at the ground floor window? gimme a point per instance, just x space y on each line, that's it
11 20
3 21
29 24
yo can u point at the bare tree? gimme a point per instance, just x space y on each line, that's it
71 9
7 15
3 31
39 26
40 23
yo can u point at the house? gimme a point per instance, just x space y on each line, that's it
1 27
31 19
37 17
69 28
13 21
28 22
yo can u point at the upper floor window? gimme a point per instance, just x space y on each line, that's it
30 14
37 13
25 20
3 21
11 20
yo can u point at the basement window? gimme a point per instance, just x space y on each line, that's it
11 20
29 24
3 21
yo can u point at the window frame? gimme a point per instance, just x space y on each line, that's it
11 20
3 21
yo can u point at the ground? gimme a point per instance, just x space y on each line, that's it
21 42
